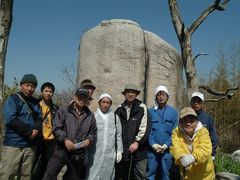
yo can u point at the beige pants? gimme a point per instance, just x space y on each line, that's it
17 163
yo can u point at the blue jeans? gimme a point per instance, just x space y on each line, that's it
161 162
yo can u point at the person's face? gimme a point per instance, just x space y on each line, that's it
196 103
104 104
130 95
80 100
27 89
162 98
189 123
90 90
47 94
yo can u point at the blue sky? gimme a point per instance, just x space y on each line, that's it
45 34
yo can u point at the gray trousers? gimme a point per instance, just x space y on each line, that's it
138 170
17 162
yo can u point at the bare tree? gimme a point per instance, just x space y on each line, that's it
226 75
69 74
6 7
225 112
184 35
234 63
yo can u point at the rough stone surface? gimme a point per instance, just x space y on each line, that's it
236 155
227 176
164 68
118 52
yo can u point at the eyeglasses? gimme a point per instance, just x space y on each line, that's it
161 94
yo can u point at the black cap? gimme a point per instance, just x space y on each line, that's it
82 91
48 84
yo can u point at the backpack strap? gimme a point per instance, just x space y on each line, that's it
30 109
18 102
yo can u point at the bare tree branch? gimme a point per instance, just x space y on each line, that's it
201 18
69 73
217 5
200 54
214 100
220 6
227 94
176 18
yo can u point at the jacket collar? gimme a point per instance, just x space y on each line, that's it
156 107
136 101
85 108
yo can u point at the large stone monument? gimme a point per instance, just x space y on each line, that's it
118 52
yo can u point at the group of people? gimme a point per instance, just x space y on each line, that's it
132 142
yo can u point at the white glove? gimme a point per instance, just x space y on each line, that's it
164 147
187 159
119 157
157 148
213 158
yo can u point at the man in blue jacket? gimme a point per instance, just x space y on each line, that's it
164 118
206 120
23 126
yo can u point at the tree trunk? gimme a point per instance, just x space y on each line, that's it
184 35
189 65
6 7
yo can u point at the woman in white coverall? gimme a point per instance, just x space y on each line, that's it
108 145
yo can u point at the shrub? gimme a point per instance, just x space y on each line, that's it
225 163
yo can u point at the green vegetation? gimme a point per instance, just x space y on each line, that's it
225 163
9 90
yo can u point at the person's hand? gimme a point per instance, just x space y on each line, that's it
69 145
133 147
33 135
164 147
213 158
157 147
119 157
187 160
85 143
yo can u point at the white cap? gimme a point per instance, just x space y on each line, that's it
105 95
161 88
198 94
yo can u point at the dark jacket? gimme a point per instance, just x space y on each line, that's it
137 128
207 121
53 107
20 120
67 126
